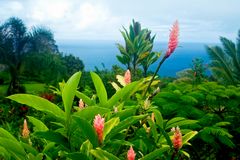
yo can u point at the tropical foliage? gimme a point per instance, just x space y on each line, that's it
68 131
225 63
138 48
214 106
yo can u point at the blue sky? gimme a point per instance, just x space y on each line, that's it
200 20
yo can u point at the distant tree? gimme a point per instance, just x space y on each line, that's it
225 61
138 48
14 37
46 67
16 42
42 40
73 64
195 75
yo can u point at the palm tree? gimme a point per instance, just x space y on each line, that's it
225 61
14 38
42 40
16 42
138 46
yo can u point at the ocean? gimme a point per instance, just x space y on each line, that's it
102 54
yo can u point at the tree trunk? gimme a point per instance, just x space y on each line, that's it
14 85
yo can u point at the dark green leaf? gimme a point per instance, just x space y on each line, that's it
87 129
125 124
14 148
69 92
156 153
100 88
53 137
38 103
38 125
103 155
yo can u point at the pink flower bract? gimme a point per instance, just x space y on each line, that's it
131 154
25 131
177 138
98 124
81 104
173 39
127 77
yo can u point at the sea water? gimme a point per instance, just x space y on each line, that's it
102 54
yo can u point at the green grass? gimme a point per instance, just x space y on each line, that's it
33 88
3 90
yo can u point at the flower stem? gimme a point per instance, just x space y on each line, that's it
154 75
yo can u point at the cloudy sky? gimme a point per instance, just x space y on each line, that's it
200 20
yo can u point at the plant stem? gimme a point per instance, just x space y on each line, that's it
174 154
154 75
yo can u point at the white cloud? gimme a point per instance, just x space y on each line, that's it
101 19
91 15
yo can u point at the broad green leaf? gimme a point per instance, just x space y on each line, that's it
126 113
14 148
69 92
109 125
153 130
29 148
53 137
156 153
85 98
38 103
77 156
48 147
121 142
185 153
4 153
125 124
188 136
86 147
38 125
100 88
181 123
158 117
121 94
87 129
140 145
90 112
103 155
6 134
167 138
39 156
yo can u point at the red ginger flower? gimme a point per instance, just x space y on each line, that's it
127 77
81 104
173 39
25 131
177 138
98 124
131 154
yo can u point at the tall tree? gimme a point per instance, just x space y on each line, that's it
13 41
138 46
16 42
225 61
42 40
